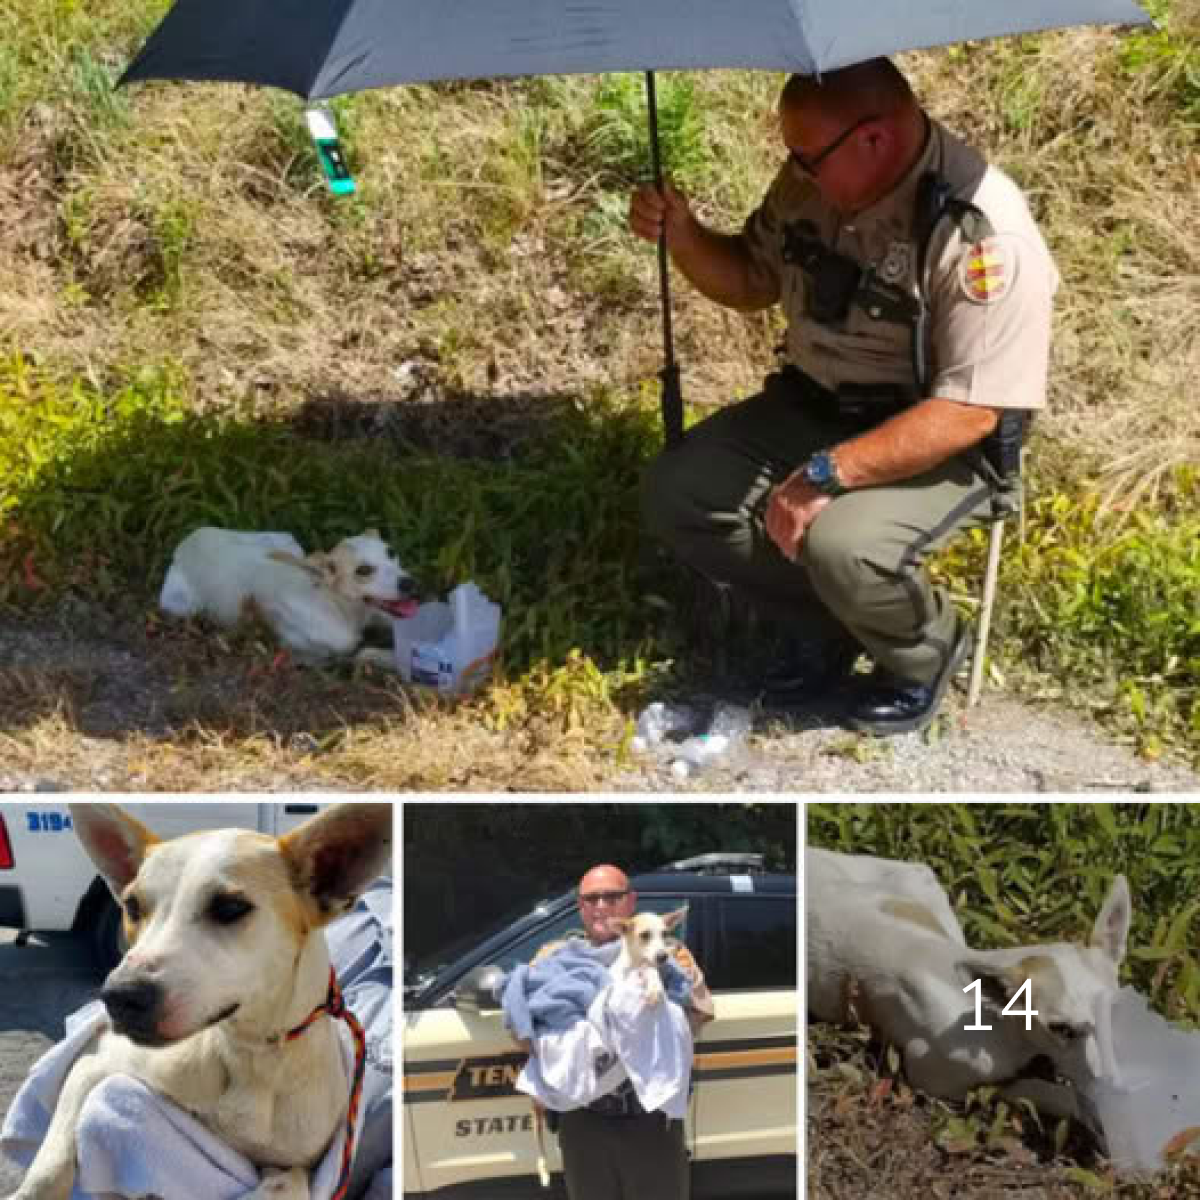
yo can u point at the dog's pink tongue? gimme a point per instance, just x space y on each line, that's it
399 608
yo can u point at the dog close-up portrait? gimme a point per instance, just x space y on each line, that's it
225 1006
884 948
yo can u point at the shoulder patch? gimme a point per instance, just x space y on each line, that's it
987 271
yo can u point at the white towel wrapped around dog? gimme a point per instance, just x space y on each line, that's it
622 1037
133 1142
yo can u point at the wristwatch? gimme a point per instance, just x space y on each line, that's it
821 471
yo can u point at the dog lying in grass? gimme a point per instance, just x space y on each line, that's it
319 605
885 947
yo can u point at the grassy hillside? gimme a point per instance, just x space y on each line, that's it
192 329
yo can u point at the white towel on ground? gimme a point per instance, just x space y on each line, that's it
134 1143
622 1037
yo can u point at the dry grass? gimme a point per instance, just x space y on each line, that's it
485 251
1114 185
131 709
869 1134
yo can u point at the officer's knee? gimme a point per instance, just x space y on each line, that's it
838 564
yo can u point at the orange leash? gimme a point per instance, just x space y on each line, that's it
335 1006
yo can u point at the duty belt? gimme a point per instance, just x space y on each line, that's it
622 1101
864 404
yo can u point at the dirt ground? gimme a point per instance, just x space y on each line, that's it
96 698
869 1135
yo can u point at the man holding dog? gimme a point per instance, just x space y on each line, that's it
614 1148
917 291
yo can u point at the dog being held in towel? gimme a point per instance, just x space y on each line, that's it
222 1004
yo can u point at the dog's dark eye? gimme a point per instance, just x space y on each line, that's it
365 571
132 907
226 910
1067 1032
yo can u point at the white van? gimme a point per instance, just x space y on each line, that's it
48 883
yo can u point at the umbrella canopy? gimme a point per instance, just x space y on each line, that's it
322 48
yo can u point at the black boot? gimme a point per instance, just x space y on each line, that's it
889 704
808 670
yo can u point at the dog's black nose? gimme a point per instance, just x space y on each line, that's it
661 957
134 1007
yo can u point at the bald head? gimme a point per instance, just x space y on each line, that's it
874 88
604 895
862 127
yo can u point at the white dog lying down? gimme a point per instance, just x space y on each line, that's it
220 1004
883 942
319 606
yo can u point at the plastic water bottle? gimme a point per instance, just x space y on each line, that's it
658 721
726 733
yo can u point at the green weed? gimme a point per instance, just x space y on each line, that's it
1024 873
122 475
1166 61
618 139
1109 600
553 535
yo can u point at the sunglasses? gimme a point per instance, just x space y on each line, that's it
810 166
607 897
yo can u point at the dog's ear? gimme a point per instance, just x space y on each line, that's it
672 919
372 533
999 981
337 853
1110 933
329 565
294 560
115 842
621 924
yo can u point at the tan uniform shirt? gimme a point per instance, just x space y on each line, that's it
990 302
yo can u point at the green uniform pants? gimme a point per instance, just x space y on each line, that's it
623 1158
860 570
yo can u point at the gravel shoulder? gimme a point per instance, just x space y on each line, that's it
100 699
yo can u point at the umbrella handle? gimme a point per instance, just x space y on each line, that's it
672 395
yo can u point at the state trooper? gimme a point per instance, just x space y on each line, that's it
614 1148
917 292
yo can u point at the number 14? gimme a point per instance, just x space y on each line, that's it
1007 1011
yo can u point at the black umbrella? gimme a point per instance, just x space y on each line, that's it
323 48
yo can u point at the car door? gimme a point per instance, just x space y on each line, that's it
466 1128
745 1073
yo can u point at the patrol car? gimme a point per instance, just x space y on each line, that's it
48 883
469 1134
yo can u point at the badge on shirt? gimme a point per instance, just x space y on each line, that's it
896 262
987 271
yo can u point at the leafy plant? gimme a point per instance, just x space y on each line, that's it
1023 873
1167 60
618 139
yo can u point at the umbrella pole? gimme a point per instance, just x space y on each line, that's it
672 394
